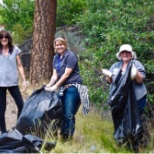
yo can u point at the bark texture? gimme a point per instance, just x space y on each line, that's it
42 51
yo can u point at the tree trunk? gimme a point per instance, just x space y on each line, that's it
42 45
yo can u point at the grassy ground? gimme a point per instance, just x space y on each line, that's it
84 141
93 134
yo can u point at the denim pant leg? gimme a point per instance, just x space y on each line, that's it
16 94
71 103
141 104
2 108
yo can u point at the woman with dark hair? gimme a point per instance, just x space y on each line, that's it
10 65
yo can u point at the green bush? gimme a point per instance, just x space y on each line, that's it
17 16
106 25
67 12
20 34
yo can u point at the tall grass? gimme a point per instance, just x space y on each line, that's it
86 138
93 134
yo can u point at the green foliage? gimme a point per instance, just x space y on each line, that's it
17 16
20 34
92 78
106 25
67 12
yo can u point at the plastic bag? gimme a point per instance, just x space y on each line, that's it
14 142
39 110
125 112
129 124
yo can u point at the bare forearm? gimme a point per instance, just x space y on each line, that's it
62 80
108 79
21 71
139 78
53 80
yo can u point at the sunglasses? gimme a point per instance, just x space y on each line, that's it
2 36
126 52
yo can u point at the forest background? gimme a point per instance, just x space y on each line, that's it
102 27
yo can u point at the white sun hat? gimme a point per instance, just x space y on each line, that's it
126 47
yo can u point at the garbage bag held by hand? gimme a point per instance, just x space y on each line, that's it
124 109
14 142
40 105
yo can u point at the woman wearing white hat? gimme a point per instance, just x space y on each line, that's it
125 55
137 74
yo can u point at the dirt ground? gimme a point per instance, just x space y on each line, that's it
11 112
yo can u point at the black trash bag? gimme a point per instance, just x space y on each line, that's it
39 110
14 142
125 113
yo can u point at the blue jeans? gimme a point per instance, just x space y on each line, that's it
71 103
15 93
141 104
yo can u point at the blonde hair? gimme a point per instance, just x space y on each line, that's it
61 40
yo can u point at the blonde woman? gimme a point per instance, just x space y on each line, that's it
66 77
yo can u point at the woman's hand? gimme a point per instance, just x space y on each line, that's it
106 72
25 85
53 79
52 88
136 75
133 72
48 85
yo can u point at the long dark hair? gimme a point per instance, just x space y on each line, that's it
10 45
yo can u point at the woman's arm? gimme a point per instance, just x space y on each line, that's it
63 78
139 78
20 68
66 74
53 79
21 71
108 75
109 79
139 72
